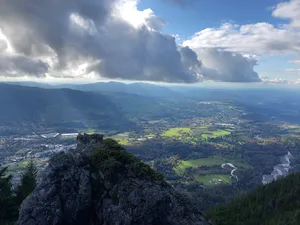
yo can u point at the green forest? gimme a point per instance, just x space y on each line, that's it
10 200
277 203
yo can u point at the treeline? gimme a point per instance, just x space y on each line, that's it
10 200
277 203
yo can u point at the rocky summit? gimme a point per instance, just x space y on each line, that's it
100 183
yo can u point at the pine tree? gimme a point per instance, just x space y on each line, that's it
6 200
28 182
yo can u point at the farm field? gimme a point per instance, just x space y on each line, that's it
178 132
193 135
212 161
122 138
213 179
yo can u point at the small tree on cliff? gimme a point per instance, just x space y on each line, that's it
28 182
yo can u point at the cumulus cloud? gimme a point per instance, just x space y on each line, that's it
296 62
293 71
222 65
289 10
109 39
268 80
258 38
249 42
19 66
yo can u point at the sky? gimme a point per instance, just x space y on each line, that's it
187 18
170 41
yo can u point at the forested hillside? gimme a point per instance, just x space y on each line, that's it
275 204
50 107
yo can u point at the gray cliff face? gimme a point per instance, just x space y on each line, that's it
72 191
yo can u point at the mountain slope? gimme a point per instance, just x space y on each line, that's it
277 203
55 106
142 89
32 108
101 183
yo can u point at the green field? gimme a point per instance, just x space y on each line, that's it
205 132
213 179
195 135
209 179
88 131
215 134
177 132
17 165
23 151
213 161
122 138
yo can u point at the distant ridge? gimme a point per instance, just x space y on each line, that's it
143 89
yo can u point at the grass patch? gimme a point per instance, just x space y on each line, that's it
213 179
205 132
243 138
213 161
123 142
122 138
17 166
88 131
215 134
177 132
22 151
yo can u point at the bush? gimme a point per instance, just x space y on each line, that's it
112 158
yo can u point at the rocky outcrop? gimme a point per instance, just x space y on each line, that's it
99 183
86 139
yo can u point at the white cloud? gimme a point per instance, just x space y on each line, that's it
268 80
222 65
289 10
293 71
296 62
259 38
127 10
104 38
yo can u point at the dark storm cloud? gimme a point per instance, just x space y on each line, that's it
55 37
31 27
79 30
143 55
16 65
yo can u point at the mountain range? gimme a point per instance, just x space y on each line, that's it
63 107
143 89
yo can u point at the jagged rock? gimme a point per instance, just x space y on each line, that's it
75 191
87 139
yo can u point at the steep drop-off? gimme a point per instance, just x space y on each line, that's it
99 183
